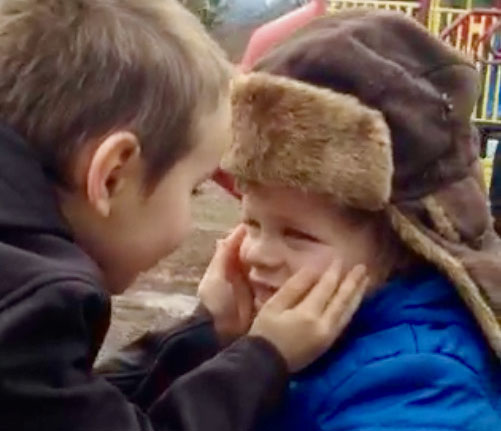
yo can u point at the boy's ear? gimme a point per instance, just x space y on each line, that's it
110 166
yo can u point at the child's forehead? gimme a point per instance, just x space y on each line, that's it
286 202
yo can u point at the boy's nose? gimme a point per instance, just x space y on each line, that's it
263 252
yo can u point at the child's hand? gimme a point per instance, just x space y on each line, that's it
302 321
224 290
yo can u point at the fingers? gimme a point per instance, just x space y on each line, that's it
293 290
227 249
345 302
242 292
322 292
231 244
244 298
348 313
300 334
241 287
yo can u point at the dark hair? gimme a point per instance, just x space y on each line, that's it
73 71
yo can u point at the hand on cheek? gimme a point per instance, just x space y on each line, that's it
224 289
309 312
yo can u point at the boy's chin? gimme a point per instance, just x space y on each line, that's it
116 284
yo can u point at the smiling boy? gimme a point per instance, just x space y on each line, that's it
353 141
288 229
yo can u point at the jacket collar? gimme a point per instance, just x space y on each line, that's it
27 199
424 296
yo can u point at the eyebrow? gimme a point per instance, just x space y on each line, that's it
287 220
293 224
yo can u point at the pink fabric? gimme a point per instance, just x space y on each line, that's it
261 41
275 31
226 181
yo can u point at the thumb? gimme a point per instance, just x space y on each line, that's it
234 240
244 297
229 248
294 290
227 251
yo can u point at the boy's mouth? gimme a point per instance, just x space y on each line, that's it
262 292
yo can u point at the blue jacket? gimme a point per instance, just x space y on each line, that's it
413 359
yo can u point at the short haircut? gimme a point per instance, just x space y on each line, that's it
74 71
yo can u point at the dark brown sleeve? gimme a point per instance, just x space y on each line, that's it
47 340
143 370
226 393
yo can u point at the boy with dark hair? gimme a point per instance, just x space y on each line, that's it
112 112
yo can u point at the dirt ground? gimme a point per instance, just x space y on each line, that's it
166 294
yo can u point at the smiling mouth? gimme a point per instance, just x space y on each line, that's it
262 292
258 285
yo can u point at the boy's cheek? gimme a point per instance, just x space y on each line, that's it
180 232
319 261
174 232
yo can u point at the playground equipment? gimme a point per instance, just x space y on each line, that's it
478 34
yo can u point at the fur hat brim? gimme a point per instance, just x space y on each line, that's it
287 132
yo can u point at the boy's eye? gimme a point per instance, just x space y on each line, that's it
296 234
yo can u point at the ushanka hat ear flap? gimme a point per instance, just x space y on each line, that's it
452 229
295 134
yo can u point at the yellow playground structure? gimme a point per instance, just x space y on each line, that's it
476 32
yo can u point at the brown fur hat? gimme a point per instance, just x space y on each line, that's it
313 130
369 108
